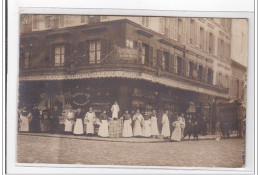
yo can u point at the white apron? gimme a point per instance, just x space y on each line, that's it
127 128
166 126
137 131
24 123
78 127
154 126
103 129
89 121
147 128
68 125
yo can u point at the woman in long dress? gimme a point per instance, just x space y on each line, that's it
154 125
89 120
127 127
138 120
176 134
146 125
103 127
166 125
182 120
24 120
78 127
69 122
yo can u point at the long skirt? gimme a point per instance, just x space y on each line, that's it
24 127
137 131
68 126
78 127
176 134
166 130
127 129
146 129
45 125
103 129
115 128
154 128
90 128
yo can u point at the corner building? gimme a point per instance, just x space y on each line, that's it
182 67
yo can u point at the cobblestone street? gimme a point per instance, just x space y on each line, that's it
203 153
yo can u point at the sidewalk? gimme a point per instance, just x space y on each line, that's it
130 140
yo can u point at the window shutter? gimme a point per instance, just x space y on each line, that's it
82 50
184 62
217 79
104 48
213 45
188 30
187 68
151 56
195 33
175 64
171 63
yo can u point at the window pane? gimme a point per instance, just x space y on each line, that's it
61 59
98 45
91 57
92 46
57 50
98 56
57 60
62 49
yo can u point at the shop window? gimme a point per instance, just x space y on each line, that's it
94 51
165 61
200 72
179 67
210 76
59 56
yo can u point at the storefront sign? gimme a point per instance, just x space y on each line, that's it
127 53
81 98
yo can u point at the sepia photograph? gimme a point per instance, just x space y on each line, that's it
132 90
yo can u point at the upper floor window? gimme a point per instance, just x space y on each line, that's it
192 31
191 69
145 21
201 38
35 22
59 55
26 59
210 76
200 73
179 65
165 61
180 30
211 43
48 22
94 51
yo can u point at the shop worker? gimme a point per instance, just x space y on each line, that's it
89 120
103 127
138 122
24 118
182 120
146 125
55 115
127 128
166 125
35 123
69 122
78 127
154 125
115 110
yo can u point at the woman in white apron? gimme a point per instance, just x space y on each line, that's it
146 126
78 127
24 120
103 127
69 122
154 125
176 134
89 120
166 125
138 120
127 128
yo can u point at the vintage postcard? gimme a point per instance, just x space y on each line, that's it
132 90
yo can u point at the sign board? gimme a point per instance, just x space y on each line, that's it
127 53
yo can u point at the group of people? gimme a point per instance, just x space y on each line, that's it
133 125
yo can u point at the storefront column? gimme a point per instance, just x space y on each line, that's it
123 98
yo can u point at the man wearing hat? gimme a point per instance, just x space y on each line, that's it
55 115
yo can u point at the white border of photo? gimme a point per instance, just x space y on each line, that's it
185 8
